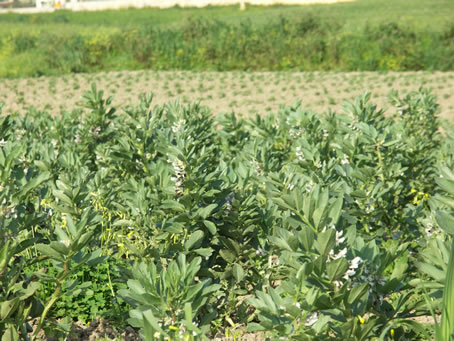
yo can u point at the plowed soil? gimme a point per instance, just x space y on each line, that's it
223 92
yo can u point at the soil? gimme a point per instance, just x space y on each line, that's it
102 329
106 330
245 93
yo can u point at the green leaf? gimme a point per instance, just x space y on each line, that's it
210 226
10 334
446 184
48 251
336 269
71 227
60 248
238 272
448 201
42 165
255 327
446 221
61 234
151 325
357 292
227 255
431 270
173 205
174 227
62 196
35 182
123 222
204 252
326 241
335 210
195 238
318 216
206 211
306 238
321 323
358 194
8 307
188 312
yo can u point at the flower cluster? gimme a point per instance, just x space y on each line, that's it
299 154
342 253
8 211
180 175
177 126
258 168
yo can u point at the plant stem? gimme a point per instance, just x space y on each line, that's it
47 308
380 162
447 322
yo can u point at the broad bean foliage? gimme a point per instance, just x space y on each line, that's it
298 225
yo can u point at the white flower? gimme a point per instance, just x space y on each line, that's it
299 154
258 168
353 265
260 252
178 125
311 319
337 284
180 175
341 254
294 133
370 208
66 242
309 186
339 238
3 143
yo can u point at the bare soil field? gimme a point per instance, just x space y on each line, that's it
245 93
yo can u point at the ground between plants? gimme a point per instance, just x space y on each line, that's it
245 93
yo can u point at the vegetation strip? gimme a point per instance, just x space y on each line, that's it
307 44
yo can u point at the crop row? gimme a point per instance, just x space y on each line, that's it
298 225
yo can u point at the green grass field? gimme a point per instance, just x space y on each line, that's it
420 14
358 36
